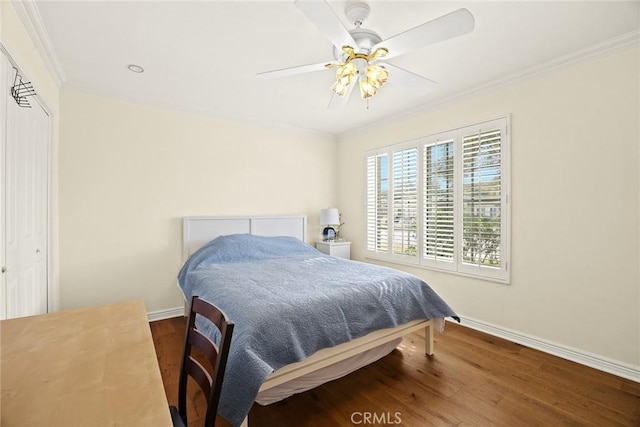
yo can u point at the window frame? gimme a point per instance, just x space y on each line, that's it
456 265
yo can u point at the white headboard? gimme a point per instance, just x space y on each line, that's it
198 230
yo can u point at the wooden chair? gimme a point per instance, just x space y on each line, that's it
210 381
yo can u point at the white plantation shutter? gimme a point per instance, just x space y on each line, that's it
377 203
405 202
438 218
483 196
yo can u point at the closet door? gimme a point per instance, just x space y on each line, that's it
25 207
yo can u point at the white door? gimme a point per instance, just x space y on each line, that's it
26 168
4 96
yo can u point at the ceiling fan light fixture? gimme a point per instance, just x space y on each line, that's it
348 71
372 76
377 74
339 88
367 89
345 75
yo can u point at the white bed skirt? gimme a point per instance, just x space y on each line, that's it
326 374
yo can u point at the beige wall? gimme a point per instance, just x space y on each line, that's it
129 172
16 40
575 205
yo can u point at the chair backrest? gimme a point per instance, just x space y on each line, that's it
209 381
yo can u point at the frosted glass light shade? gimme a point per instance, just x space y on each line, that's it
329 216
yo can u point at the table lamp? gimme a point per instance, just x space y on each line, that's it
329 218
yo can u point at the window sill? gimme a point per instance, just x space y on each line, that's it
416 264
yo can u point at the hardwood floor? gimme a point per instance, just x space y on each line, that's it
473 379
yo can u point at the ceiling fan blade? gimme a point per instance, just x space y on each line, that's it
286 72
411 82
448 26
338 101
321 14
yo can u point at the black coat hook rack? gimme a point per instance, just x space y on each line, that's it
20 90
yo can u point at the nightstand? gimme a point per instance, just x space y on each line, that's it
338 248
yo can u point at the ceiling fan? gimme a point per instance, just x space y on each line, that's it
358 52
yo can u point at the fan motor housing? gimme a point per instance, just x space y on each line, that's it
365 39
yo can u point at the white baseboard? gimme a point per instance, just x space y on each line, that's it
165 314
601 363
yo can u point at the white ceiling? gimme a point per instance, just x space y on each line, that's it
204 55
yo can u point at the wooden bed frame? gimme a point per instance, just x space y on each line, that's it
198 230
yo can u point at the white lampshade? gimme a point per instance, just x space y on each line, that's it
329 216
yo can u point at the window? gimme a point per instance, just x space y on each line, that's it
441 201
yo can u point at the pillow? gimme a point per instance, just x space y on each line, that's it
246 247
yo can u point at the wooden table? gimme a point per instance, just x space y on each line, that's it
88 367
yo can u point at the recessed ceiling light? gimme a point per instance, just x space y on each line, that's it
135 68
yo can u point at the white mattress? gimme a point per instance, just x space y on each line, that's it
329 373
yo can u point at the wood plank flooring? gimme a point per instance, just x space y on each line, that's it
473 379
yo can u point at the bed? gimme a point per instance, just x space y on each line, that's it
302 317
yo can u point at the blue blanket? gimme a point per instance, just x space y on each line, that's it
288 300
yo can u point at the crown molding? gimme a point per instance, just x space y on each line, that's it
187 109
598 50
30 16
